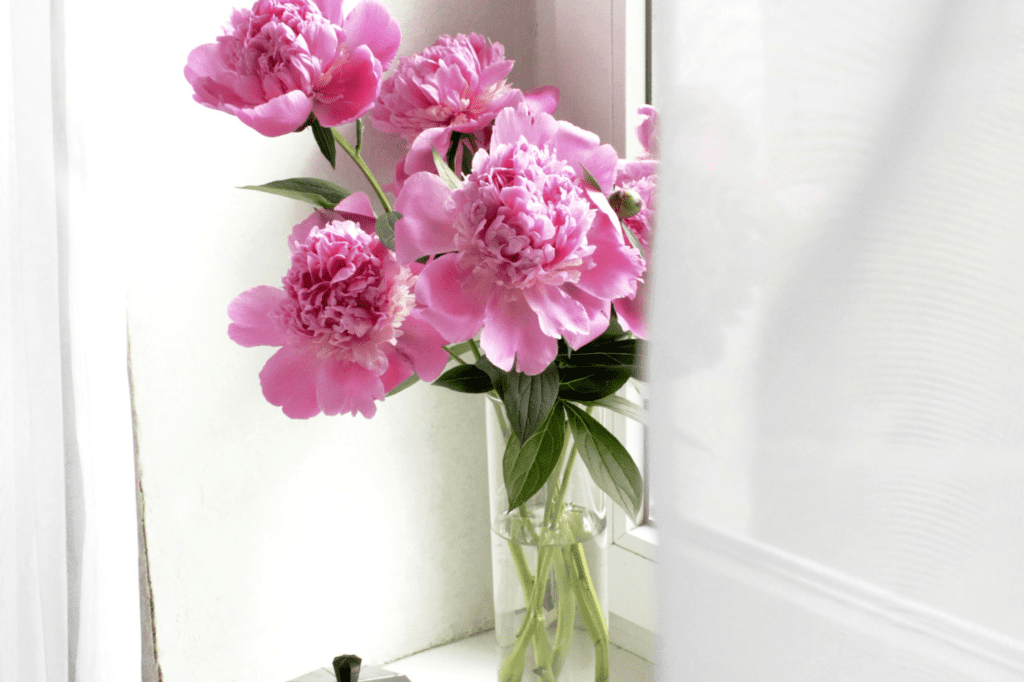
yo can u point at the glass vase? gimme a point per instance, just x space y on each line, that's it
555 628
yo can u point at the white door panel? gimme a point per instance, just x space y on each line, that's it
838 340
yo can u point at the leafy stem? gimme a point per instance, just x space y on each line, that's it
353 152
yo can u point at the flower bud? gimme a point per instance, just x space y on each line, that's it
626 203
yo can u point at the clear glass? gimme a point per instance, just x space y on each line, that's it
570 551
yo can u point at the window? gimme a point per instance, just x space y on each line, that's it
631 557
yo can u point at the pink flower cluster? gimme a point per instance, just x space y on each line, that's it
525 252
285 59
345 319
530 254
456 83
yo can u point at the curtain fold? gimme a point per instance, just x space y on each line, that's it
33 575
69 597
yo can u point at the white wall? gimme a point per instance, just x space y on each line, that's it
274 545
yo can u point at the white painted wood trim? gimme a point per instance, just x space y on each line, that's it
858 607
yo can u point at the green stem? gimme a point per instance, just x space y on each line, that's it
454 356
558 500
522 570
473 347
354 154
590 608
512 668
542 652
359 136
566 614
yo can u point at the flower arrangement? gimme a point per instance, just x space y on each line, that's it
511 262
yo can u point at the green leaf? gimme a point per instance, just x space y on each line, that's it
496 375
528 399
592 382
445 173
320 193
325 140
527 467
599 368
402 386
467 159
465 379
385 228
606 351
623 406
589 179
453 149
634 242
608 462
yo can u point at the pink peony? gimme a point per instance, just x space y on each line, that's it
284 59
456 83
640 177
345 319
420 156
530 254
647 131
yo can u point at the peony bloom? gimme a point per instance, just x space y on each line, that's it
456 83
531 255
640 177
647 131
345 319
284 59
420 156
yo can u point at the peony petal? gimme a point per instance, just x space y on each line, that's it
647 131
370 24
357 208
631 312
428 213
423 345
512 333
317 218
556 311
279 116
344 386
321 41
399 369
214 84
543 99
348 88
455 310
511 124
288 380
251 324
421 152
331 9
635 170
617 267
583 148
598 313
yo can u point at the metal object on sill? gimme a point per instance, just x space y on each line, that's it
367 673
346 668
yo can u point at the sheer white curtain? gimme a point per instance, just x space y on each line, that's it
839 340
69 600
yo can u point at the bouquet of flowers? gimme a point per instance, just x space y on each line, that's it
510 263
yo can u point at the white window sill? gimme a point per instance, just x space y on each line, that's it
476 659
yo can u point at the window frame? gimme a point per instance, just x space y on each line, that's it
633 547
